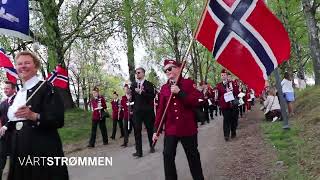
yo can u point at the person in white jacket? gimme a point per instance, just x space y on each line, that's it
272 106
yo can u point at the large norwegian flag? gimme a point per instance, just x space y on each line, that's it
59 77
8 66
244 37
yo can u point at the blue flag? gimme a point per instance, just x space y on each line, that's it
14 18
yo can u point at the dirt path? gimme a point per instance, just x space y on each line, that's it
244 158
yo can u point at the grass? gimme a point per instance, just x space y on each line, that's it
77 126
299 147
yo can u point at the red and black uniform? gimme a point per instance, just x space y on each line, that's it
127 107
211 102
98 118
205 104
228 111
117 116
180 125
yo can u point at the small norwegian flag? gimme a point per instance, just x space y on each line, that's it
59 77
8 66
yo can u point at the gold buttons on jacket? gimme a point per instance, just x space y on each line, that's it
175 104
175 110
177 118
174 97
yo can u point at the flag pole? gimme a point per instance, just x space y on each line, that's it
283 104
35 91
180 73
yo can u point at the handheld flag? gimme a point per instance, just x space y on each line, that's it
8 66
14 18
244 37
59 77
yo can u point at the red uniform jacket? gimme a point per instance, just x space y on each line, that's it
115 110
96 114
124 105
180 117
221 91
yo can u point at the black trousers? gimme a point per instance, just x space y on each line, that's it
114 127
127 127
146 117
242 109
229 122
206 112
190 146
103 129
3 154
211 109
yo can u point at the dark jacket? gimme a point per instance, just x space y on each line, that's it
143 101
39 139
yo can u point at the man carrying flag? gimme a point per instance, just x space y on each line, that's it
180 122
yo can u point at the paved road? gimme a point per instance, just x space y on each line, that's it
150 167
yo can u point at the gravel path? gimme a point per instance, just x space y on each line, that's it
244 158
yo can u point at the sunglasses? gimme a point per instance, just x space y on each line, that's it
138 72
169 69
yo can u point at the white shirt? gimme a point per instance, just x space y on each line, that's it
21 98
286 86
271 103
141 83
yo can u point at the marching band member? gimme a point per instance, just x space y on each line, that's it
127 105
117 115
99 106
226 95
180 123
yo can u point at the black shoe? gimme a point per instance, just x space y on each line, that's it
152 150
233 135
105 143
124 145
121 136
90 146
113 138
137 154
226 138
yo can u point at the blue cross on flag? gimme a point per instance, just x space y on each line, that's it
14 18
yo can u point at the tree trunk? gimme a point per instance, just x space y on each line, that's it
84 94
128 28
310 15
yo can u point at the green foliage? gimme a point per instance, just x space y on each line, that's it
154 78
299 146
77 126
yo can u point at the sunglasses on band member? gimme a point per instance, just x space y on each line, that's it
138 72
169 69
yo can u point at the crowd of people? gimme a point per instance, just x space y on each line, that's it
191 105
29 120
